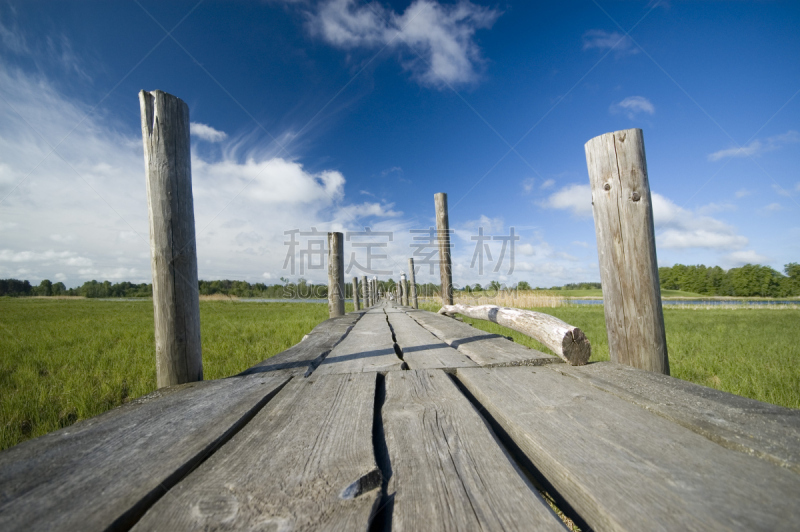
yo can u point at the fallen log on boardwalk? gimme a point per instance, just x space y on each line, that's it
563 339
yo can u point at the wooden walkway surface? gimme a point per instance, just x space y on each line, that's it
394 418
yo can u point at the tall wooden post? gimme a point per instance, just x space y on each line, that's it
443 233
412 281
335 275
173 253
404 289
356 302
623 220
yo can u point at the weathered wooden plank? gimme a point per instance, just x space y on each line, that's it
412 281
623 468
305 462
302 358
420 348
759 429
106 471
368 347
448 470
173 249
484 348
563 339
626 247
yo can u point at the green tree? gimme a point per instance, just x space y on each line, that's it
523 285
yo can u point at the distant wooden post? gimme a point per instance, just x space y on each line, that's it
335 275
412 281
623 220
173 253
404 289
364 291
443 233
356 305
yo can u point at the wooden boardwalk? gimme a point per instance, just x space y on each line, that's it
394 418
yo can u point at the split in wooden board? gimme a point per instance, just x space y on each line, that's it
448 470
305 462
369 347
621 467
105 471
420 348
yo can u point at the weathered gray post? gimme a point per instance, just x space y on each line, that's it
412 281
356 305
623 220
365 291
443 233
404 289
335 275
173 253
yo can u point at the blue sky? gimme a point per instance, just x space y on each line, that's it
341 115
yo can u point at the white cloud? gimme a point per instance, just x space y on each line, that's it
742 192
758 147
680 228
574 198
781 191
711 208
740 258
603 40
773 207
633 105
548 184
527 184
206 132
439 37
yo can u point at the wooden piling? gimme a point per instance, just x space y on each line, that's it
356 302
335 275
443 234
404 290
173 252
623 218
364 291
412 281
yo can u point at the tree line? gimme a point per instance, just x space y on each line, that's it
751 280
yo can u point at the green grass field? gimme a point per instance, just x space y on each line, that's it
65 360
749 352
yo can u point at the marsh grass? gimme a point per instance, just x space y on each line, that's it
754 353
65 360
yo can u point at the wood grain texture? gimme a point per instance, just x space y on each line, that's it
106 471
336 289
302 358
369 347
448 470
484 348
623 218
443 237
752 427
356 300
621 467
561 338
412 280
403 290
173 251
365 291
420 348
305 462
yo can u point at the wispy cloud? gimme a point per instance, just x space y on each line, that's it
206 132
575 198
547 184
632 106
527 184
742 193
603 40
740 258
680 228
440 36
758 146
